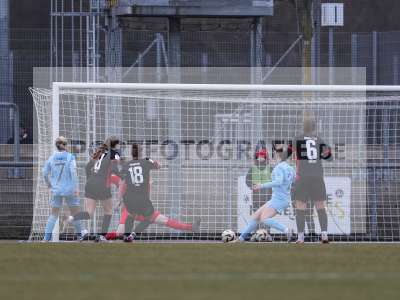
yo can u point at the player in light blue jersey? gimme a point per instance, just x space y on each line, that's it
61 177
283 176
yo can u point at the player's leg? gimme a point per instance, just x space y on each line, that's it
81 232
129 234
74 205
107 215
77 215
310 219
301 208
80 216
252 225
91 196
139 210
143 225
91 206
301 195
127 220
270 210
124 216
145 214
268 197
318 195
74 208
259 199
120 232
129 223
56 203
267 215
175 224
323 220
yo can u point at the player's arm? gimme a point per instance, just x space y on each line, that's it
116 171
154 165
326 151
295 148
122 189
277 181
88 168
74 174
46 172
122 186
292 150
116 164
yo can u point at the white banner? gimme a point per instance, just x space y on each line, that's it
338 190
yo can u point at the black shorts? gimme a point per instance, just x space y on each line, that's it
97 191
139 206
310 189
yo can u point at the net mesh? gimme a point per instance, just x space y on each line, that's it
205 141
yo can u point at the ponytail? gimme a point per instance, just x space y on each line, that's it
103 148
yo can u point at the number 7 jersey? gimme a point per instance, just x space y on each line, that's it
136 174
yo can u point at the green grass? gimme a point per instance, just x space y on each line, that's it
199 271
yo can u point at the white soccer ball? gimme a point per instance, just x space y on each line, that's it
228 236
262 235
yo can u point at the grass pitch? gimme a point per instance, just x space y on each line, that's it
199 271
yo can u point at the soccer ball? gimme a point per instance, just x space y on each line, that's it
228 236
262 235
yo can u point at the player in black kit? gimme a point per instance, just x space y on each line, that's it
135 193
101 172
310 150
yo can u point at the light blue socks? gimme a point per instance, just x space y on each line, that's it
51 222
274 224
251 226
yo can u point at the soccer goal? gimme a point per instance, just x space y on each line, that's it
205 136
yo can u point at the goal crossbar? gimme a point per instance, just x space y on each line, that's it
230 87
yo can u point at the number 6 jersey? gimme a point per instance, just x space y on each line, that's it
310 151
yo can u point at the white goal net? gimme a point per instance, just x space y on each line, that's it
205 137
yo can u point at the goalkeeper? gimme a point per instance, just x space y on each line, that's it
60 174
259 173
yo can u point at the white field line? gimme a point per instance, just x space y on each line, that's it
212 276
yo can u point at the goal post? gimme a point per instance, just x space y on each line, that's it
213 149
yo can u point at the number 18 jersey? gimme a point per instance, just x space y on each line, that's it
136 174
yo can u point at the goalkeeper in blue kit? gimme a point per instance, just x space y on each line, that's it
61 177
283 176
